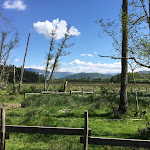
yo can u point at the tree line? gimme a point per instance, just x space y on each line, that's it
28 75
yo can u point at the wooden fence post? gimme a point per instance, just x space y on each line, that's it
86 130
65 86
14 82
82 92
41 92
93 92
2 129
70 91
56 91
113 90
24 96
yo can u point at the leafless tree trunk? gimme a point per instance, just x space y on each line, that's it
4 65
135 87
14 81
124 61
22 68
49 57
60 52
53 68
2 43
1 51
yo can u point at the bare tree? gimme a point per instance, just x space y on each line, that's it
8 41
22 68
2 43
49 57
133 67
5 52
60 52
14 79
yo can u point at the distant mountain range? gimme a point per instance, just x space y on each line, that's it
57 75
70 75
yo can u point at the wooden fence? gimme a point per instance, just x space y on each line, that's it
85 132
6 129
60 93
82 92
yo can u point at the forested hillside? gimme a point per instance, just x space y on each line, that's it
139 77
28 75
88 76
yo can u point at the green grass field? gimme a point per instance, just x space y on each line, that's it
68 111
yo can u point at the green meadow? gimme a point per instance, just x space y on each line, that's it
68 111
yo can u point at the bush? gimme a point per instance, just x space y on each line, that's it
33 88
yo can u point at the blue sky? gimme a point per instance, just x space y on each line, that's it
29 16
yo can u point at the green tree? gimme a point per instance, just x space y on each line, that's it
135 42
124 61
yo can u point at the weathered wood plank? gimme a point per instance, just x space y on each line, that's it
46 130
47 92
117 142
32 93
86 130
76 91
88 92
2 133
63 92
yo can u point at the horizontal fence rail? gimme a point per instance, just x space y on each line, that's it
32 94
71 92
47 92
76 91
117 142
46 130
59 93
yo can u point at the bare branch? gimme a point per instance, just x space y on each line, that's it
112 57
133 58
144 8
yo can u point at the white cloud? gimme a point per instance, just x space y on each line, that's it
95 53
88 69
77 62
99 65
17 60
63 63
82 54
89 55
47 27
36 67
91 67
14 4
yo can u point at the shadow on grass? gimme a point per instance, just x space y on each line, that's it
116 135
108 115
69 115
102 115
